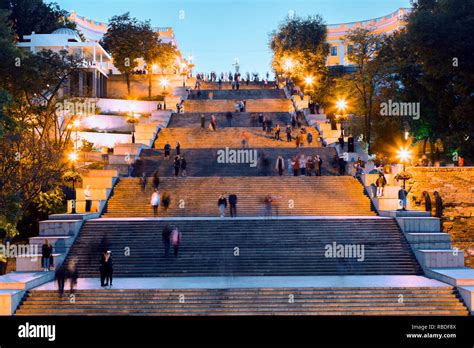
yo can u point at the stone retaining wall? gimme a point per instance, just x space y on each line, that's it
456 188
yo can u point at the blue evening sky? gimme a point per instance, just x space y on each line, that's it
215 32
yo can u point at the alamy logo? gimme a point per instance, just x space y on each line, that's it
231 156
345 251
20 250
37 331
392 108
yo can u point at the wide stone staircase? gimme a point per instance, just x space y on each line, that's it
315 215
197 196
277 247
203 162
260 301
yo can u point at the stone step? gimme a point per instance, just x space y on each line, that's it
269 301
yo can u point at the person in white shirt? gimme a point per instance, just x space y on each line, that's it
155 202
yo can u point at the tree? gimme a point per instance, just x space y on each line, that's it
150 47
123 41
34 135
366 78
432 63
300 49
155 52
29 16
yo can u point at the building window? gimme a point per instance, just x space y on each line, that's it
350 48
333 51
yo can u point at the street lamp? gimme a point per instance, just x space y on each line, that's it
308 80
133 119
404 154
73 158
164 83
341 105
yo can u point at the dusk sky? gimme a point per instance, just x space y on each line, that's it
215 32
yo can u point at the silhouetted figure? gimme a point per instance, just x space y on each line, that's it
167 150
109 268
165 238
46 254
222 204
233 205
143 181
166 201
156 180
228 116
72 274
60 277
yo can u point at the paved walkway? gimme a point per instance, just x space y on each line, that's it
257 282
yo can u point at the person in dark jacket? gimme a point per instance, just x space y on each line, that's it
102 269
233 205
183 166
203 121
46 254
288 133
402 197
156 180
178 148
143 181
177 165
60 277
320 166
280 165
165 237
222 204
167 149
166 201
228 116
109 268
342 166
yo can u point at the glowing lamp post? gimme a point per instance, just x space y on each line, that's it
404 154
341 105
133 119
309 80
73 159
164 83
